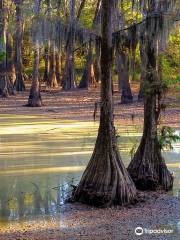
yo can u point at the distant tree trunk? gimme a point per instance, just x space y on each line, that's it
11 74
106 181
46 61
148 168
58 52
58 67
35 96
97 67
143 73
52 81
68 81
123 76
88 74
3 69
19 82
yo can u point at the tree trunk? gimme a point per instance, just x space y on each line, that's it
10 64
46 61
58 67
105 180
35 96
68 81
19 82
123 75
3 70
52 81
97 67
148 168
88 74
143 73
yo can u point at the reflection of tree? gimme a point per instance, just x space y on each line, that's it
4 207
24 201
20 197
37 199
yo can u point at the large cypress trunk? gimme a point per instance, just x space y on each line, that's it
35 96
106 180
148 168
123 77
19 82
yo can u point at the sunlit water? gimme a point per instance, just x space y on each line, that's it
40 158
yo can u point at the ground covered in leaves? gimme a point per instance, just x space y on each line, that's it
79 105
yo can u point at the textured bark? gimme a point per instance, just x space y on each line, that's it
35 96
88 76
106 181
148 168
19 82
123 77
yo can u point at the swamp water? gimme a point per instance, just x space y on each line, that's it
41 158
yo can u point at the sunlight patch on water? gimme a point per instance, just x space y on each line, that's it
33 171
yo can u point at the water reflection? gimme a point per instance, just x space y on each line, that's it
41 159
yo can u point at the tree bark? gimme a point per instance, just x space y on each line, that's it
46 61
148 168
123 77
52 81
35 96
88 76
19 82
97 67
106 181
58 67
11 74
143 73
68 81
10 58
3 55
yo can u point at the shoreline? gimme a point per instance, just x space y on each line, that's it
79 105
154 211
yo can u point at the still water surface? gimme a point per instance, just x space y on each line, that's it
40 158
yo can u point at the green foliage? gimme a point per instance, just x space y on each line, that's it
2 56
2 52
170 60
167 137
